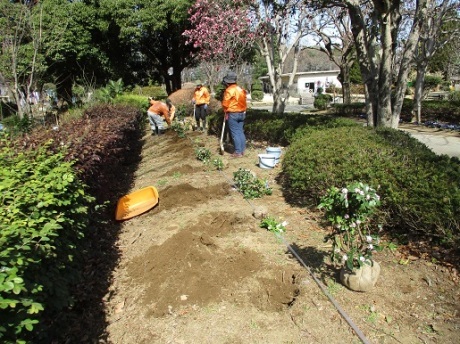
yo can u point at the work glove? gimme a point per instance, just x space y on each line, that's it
193 101
205 106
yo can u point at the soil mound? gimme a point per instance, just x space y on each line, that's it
183 99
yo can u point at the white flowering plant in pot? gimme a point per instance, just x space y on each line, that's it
350 211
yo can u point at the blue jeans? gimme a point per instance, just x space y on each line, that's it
235 125
157 122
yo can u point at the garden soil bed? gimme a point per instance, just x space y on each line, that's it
198 268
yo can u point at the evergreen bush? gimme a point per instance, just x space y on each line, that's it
44 213
419 190
322 101
157 92
140 102
257 92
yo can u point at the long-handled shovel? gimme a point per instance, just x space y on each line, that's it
222 138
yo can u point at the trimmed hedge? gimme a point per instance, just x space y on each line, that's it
420 190
44 212
45 209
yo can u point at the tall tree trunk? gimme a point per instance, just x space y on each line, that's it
408 58
345 81
418 95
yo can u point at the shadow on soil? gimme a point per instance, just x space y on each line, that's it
86 322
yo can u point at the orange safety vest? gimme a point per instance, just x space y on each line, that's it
234 99
201 96
161 109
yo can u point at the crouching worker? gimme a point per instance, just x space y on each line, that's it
159 113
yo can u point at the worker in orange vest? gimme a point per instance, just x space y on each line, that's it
234 105
158 113
200 100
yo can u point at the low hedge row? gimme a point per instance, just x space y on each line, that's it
44 213
51 181
420 190
432 110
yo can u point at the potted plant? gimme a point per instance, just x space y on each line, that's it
350 211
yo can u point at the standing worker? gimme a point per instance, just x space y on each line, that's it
201 98
158 113
234 105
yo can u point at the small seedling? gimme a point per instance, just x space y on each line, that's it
272 225
162 182
218 164
203 154
179 128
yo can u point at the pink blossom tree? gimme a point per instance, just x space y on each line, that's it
225 31
223 34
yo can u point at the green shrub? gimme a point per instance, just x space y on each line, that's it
138 101
419 189
249 185
257 95
179 128
322 101
262 125
16 125
157 92
432 82
203 154
454 96
257 92
43 212
353 109
219 92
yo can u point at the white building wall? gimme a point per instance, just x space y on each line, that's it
308 83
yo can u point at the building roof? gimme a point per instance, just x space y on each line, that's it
316 72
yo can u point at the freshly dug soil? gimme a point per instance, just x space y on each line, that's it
198 268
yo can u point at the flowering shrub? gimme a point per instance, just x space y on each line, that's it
272 225
218 164
203 154
350 211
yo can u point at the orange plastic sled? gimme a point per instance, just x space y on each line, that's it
136 203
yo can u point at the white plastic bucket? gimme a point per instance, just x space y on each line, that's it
275 151
267 161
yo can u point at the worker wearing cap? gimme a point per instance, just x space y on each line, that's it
234 105
158 113
201 98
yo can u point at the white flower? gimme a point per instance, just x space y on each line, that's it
357 190
284 223
362 259
368 238
368 197
358 222
347 216
370 247
361 193
336 250
345 257
344 190
352 225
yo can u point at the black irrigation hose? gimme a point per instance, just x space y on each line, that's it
350 322
344 315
